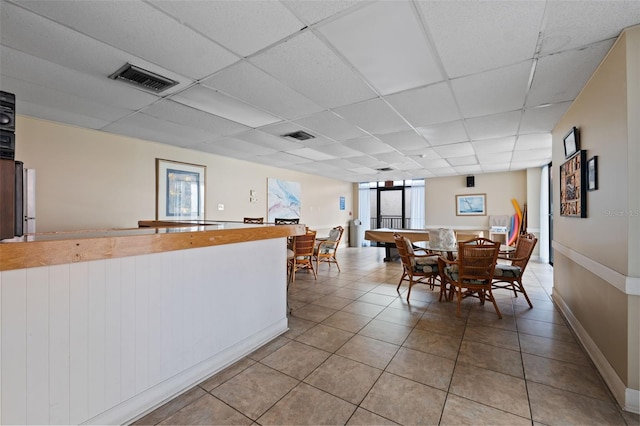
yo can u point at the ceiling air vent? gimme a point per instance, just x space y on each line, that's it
384 169
142 78
299 135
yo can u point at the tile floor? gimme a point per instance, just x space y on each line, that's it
357 353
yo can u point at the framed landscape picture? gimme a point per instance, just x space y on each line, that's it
471 205
573 186
179 190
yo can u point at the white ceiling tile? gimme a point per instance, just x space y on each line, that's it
284 158
494 126
311 154
389 49
463 161
246 148
38 72
367 161
531 155
181 114
444 171
473 36
338 150
149 128
216 103
495 167
404 141
495 91
142 30
73 51
265 139
455 150
249 84
525 164
427 105
495 157
223 150
492 146
295 63
374 116
312 11
576 24
542 119
368 145
423 154
534 141
48 104
390 157
362 170
331 125
468 169
233 23
552 84
444 133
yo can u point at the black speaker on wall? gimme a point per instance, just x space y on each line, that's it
471 181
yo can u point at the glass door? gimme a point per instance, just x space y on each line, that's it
391 207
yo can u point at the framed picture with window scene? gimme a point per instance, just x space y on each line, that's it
571 142
573 186
592 173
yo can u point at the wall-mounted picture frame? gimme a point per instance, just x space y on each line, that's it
471 205
571 142
592 173
180 190
573 186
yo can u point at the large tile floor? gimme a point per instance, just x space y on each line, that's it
357 353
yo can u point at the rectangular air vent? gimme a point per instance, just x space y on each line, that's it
142 78
299 135
384 169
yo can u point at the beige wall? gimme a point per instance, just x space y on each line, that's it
88 179
596 275
500 189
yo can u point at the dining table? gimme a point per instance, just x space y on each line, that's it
385 236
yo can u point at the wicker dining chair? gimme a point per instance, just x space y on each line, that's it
416 268
326 250
509 275
302 258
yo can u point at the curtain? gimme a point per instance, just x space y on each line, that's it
417 206
364 210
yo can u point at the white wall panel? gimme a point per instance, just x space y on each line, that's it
102 341
14 347
78 342
59 340
37 321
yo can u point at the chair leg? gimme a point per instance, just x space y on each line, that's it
495 305
459 292
410 285
526 296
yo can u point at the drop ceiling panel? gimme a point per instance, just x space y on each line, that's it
427 105
534 141
444 133
423 154
494 126
368 145
233 24
330 125
389 49
73 50
495 167
531 155
38 72
246 148
284 158
249 84
367 161
455 150
295 63
463 161
493 158
373 116
216 103
569 27
552 84
338 150
404 141
544 119
311 154
143 126
142 30
474 36
265 139
499 90
493 146
315 11
176 112
469 169
59 106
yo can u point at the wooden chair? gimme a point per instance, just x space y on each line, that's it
302 258
286 221
416 268
472 273
254 220
325 250
509 275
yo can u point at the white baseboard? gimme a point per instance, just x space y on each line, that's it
146 401
628 399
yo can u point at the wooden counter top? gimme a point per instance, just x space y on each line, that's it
81 246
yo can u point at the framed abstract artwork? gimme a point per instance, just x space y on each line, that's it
180 190
471 205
